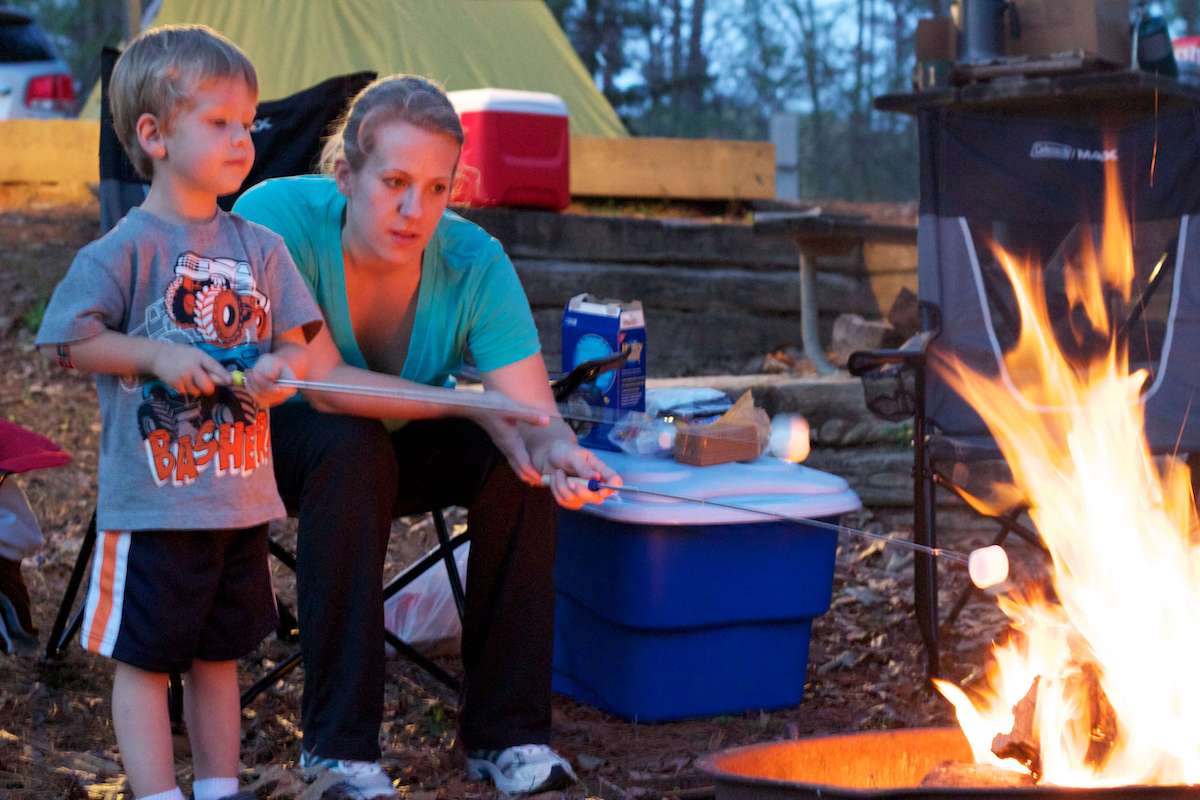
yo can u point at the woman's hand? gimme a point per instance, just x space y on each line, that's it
549 451
260 380
188 370
568 468
501 419
506 435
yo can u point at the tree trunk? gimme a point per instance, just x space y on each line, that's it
811 55
676 44
613 58
901 36
591 26
858 101
697 66
654 69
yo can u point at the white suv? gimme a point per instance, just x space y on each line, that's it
34 81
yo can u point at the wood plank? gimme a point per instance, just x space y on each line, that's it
889 256
65 151
689 169
49 151
550 283
18 196
1028 67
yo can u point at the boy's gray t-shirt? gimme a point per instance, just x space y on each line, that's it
226 286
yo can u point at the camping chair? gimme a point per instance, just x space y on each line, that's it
21 450
444 552
68 620
1038 196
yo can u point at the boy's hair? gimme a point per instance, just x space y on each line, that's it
157 74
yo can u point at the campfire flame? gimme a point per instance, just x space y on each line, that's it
1112 660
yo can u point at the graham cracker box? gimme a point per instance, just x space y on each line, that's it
592 329
1097 28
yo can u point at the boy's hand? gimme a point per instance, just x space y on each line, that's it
260 381
188 370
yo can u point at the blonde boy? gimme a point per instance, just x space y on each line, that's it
163 308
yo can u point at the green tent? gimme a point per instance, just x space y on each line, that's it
464 44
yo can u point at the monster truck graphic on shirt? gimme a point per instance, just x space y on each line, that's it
213 304
218 297
163 408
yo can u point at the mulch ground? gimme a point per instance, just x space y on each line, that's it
865 672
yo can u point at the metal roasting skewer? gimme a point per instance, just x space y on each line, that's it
477 401
937 552
987 566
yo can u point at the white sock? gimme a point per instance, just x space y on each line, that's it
214 788
170 794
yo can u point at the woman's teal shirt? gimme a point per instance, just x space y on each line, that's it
469 302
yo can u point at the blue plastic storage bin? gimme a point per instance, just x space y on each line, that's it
668 609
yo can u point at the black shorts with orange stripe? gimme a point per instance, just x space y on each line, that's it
160 599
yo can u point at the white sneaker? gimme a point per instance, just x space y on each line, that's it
359 780
524 769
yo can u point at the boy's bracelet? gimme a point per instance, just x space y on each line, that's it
64 356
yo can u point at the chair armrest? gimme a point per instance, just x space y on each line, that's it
909 354
863 361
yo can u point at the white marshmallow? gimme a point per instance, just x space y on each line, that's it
988 566
789 438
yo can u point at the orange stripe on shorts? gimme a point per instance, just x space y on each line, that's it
108 569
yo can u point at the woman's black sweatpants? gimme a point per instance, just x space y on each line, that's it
347 477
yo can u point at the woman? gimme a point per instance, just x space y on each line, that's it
409 289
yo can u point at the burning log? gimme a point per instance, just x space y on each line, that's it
1021 743
1102 719
1099 721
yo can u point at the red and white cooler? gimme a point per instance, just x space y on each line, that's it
517 149
1187 56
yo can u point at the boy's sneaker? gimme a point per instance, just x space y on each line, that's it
525 769
358 780
17 633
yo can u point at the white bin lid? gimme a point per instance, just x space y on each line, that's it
767 484
514 100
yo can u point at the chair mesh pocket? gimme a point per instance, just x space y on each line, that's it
891 392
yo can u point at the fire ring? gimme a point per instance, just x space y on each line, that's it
879 765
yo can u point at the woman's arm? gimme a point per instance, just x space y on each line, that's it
551 450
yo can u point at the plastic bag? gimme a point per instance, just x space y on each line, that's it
423 613
653 433
643 435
